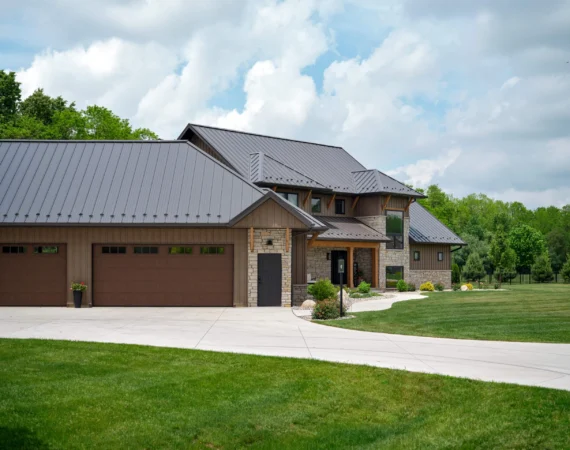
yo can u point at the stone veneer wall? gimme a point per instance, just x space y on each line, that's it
363 256
317 264
300 294
260 238
390 257
435 276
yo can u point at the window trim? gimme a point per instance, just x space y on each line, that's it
340 201
442 257
417 252
320 204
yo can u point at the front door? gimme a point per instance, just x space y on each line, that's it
269 279
335 256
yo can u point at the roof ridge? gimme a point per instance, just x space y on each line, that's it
261 135
118 141
290 168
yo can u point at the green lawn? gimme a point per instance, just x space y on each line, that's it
531 313
77 395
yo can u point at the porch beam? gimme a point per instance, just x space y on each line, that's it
355 201
356 244
313 241
350 264
331 200
274 188
307 197
375 274
386 202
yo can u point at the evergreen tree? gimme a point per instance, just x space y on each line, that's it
542 270
474 270
455 273
503 257
566 270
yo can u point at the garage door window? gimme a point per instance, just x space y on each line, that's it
180 250
13 249
211 250
46 250
146 250
114 250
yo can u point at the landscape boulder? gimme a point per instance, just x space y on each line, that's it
308 304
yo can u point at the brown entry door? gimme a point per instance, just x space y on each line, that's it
162 275
33 275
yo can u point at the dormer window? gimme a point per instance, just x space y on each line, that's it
339 206
316 204
291 197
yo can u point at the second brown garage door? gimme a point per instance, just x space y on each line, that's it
162 275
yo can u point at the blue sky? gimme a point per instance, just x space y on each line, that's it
474 96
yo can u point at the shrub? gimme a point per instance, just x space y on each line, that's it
322 290
456 287
364 287
327 309
474 269
542 270
439 287
81 287
455 273
402 286
566 270
411 287
497 285
427 286
469 286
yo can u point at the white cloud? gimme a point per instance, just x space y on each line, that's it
422 172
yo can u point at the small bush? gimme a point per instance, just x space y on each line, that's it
427 286
497 285
327 309
322 290
469 286
439 287
364 287
456 287
402 286
411 287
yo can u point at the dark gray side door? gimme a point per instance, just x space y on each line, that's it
269 279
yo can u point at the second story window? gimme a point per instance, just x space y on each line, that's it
291 197
316 205
395 229
339 206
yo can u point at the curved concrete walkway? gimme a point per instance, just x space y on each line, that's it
278 332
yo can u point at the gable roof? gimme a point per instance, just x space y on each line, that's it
119 182
328 165
264 169
349 229
426 229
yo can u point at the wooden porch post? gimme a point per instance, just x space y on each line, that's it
350 271
375 273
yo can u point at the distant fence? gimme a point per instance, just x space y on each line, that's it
521 278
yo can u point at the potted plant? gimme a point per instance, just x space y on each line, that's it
78 290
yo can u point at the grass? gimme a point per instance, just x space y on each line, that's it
526 313
74 395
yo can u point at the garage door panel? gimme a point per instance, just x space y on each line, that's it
33 278
163 279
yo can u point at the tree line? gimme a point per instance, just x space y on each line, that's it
503 237
40 116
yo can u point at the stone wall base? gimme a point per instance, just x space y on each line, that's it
435 276
300 294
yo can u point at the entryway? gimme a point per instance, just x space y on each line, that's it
269 279
335 256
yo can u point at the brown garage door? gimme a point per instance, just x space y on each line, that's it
33 275
162 275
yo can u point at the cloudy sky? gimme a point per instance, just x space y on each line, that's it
472 95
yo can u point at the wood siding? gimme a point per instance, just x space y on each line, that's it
270 215
80 241
372 205
428 257
299 259
329 211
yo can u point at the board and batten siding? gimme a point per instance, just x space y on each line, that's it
372 205
80 241
428 257
270 215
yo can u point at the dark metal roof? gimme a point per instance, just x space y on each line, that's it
330 166
426 229
118 182
374 181
264 169
348 229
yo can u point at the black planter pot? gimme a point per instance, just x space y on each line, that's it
77 297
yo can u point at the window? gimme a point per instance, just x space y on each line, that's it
180 251
316 205
440 256
212 250
146 250
46 250
290 197
13 249
395 229
339 206
416 255
393 275
114 250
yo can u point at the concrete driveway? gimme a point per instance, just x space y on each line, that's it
278 332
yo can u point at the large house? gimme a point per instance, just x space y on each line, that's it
215 218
